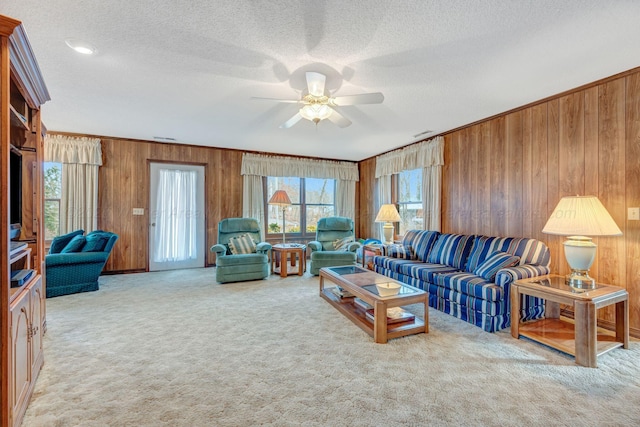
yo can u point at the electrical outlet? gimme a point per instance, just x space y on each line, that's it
633 214
138 211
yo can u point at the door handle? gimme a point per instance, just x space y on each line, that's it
153 224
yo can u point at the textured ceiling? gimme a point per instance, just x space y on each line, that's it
188 69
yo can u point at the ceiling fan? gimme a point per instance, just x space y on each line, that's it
317 106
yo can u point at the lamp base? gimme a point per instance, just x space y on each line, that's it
387 230
580 280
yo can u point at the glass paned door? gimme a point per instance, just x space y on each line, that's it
176 229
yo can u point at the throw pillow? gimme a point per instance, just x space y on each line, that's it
58 243
74 245
243 244
488 268
95 242
342 244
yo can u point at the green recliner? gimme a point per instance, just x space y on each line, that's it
245 266
331 231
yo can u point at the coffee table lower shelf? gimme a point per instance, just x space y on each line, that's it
358 316
560 334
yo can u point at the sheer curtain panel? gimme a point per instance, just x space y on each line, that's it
176 227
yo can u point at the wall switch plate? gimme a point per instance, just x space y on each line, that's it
633 214
138 211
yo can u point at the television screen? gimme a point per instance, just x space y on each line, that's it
15 187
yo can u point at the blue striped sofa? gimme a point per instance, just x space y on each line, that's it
468 276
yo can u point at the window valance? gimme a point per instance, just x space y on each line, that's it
420 155
72 150
264 165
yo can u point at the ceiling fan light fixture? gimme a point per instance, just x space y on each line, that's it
316 112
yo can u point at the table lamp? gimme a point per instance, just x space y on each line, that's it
388 214
281 198
576 217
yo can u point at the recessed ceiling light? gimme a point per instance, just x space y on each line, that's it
80 46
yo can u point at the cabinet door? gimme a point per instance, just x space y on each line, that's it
21 363
35 316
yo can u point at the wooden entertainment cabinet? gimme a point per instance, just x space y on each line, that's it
22 308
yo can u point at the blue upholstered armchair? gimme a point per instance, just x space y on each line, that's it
251 259
75 262
334 245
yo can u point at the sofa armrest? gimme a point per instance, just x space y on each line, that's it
263 247
220 250
54 260
509 275
354 246
315 246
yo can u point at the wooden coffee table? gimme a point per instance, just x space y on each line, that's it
361 283
580 338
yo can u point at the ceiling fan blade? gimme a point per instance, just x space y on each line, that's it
315 83
338 119
288 101
292 121
363 98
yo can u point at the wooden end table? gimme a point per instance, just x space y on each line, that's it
371 250
281 252
580 338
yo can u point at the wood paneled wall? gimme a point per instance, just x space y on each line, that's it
124 185
505 175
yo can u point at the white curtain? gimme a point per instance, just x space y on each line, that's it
258 165
80 158
253 199
428 155
176 228
346 198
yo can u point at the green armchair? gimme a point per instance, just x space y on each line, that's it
331 231
75 262
241 266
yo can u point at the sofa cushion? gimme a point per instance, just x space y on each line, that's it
470 284
420 242
411 268
243 244
451 249
342 244
530 251
398 251
75 245
496 261
95 242
59 242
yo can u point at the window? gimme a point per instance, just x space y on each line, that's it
409 199
311 199
52 195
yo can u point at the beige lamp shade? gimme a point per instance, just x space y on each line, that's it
388 213
579 217
280 198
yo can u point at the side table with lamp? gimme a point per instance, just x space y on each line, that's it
575 217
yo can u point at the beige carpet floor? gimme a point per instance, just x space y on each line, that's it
177 349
